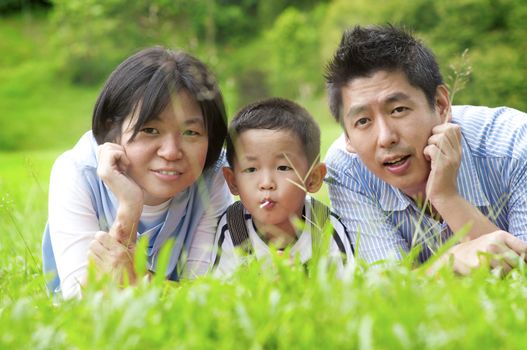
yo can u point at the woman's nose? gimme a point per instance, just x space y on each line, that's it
170 148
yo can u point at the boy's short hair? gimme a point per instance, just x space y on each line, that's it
364 51
146 82
276 114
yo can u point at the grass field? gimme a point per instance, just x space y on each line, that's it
393 308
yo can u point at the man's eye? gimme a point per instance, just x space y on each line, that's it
249 170
361 122
400 109
152 131
284 168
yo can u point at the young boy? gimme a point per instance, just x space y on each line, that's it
273 153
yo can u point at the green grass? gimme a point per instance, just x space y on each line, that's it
386 308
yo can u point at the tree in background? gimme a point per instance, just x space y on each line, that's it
256 48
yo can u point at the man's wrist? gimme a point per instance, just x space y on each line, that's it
445 201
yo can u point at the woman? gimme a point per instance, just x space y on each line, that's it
150 166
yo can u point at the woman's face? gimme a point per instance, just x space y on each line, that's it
169 152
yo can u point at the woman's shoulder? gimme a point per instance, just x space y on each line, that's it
79 159
215 170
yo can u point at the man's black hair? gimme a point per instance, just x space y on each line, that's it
364 51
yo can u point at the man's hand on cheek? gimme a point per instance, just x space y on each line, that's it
444 152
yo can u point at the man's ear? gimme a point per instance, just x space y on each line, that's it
228 174
349 147
316 178
442 104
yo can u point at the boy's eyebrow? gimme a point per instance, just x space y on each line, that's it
282 155
250 158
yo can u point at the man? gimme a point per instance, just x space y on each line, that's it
410 169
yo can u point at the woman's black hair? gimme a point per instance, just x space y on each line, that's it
147 81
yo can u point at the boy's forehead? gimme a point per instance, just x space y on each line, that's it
267 137
266 142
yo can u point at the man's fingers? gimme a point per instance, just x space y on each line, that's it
431 152
515 244
447 137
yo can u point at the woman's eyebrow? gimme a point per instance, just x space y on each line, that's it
196 120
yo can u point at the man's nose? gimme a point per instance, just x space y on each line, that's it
387 135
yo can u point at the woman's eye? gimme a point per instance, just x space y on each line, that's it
152 131
191 133
249 170
284 168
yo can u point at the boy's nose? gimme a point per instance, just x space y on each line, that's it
267 183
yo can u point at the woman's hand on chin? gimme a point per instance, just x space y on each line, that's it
112 167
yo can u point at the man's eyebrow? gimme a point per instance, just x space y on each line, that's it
397 96
353 111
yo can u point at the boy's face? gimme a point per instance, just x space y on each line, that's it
271 166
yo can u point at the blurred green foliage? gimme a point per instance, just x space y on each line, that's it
14 6
55 61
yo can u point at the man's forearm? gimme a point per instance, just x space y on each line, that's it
456 211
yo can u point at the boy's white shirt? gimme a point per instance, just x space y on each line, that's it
230 259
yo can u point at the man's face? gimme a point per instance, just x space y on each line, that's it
388 123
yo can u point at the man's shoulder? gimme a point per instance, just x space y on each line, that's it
492 132
338 156
468 113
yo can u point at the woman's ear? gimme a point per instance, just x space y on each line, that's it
442 104
228 174
316 178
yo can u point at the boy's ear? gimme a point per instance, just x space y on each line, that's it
228 174
316 178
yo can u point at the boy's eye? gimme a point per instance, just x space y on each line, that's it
152 131
249 170
284 168
191 133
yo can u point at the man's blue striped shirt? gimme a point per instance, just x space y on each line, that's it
384 223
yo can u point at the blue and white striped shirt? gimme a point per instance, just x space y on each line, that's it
384 223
